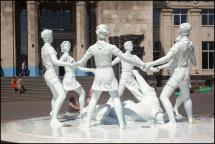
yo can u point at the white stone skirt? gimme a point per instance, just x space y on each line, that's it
105 79
70 82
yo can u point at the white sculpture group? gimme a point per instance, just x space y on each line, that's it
179 59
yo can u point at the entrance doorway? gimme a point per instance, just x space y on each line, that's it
21 28
60 17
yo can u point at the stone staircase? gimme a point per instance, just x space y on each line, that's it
37 90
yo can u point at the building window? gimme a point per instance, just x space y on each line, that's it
180 16
207 55
208 17
156 50
156 17
23 32
56 16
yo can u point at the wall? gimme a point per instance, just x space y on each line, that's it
128 17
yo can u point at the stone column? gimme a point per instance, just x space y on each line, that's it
8 50
81 32
98 12
33 55
166 25
195 37
148 32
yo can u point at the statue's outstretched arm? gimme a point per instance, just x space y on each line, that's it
117 52
158 68
115 61
163 60
166 58
167 65
86 69
58 62
84 59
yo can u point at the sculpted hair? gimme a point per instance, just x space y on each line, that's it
127 43
184 29
45 34
102 31
63 43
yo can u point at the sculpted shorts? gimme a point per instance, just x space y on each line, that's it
51 77
179 75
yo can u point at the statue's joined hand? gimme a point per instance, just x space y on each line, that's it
156 69
148 65
72 65
143 66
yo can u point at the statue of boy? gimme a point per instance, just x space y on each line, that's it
182 57
50 61
127 78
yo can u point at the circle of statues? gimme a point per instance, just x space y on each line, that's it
179 60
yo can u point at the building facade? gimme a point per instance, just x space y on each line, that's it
23 21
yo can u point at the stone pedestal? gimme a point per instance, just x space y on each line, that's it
38 130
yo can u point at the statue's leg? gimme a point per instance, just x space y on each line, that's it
92 104
81 93
135 91
185 93
120 91
164 97
54 97
178 102
118 107
58 103
102 111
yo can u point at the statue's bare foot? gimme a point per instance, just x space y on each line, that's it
122 126
178 114
160 118
55 123
191 120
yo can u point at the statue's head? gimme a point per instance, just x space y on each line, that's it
128 45
184 29
47 35
102 31
65 46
